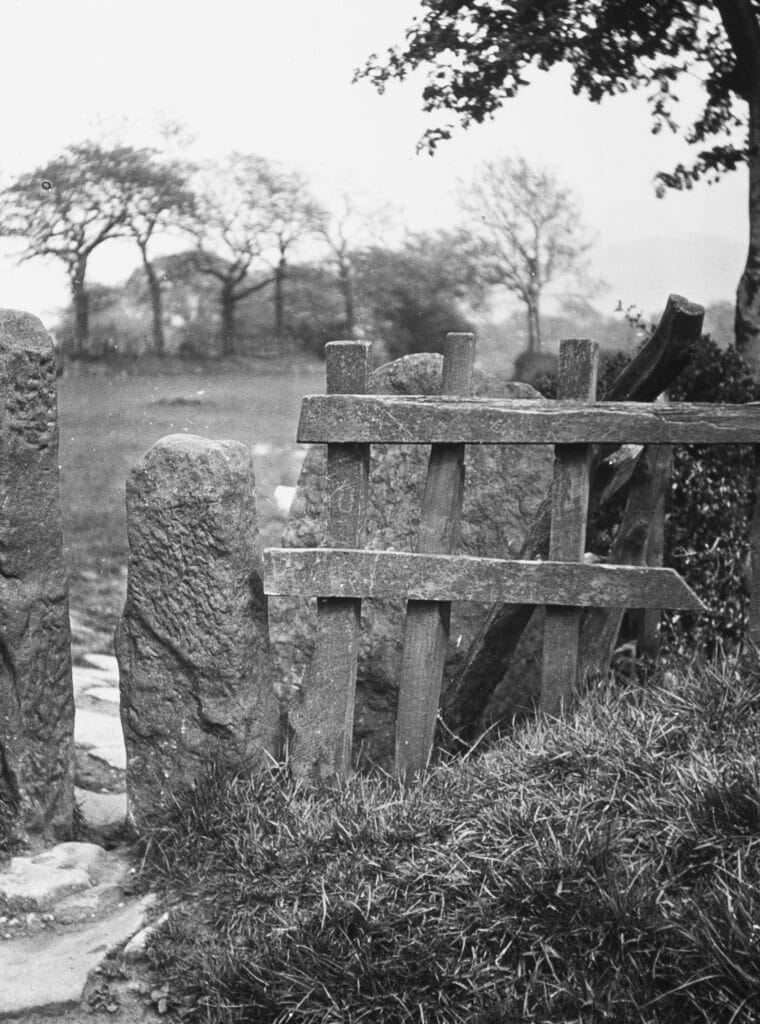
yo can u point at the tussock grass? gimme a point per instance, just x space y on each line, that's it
605 867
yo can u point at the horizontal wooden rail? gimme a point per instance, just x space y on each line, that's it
404 419
349 573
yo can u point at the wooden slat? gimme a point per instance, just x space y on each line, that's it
323 722
578 366
600 627
422 419
426 628
349 573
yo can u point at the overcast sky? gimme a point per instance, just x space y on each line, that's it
273 77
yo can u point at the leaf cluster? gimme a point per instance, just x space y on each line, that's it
478 54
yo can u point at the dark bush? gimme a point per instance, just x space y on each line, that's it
710 504
706 533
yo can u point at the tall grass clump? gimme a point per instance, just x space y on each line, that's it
604 867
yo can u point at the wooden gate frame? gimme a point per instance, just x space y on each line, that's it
341 573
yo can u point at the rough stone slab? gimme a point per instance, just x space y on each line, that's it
38 882
104 813
108 695
100 733
36 693
192 644
48 972
85 678
504 486
105 663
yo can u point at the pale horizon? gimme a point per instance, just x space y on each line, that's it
275 79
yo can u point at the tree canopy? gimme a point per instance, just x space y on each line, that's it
479 53
66 209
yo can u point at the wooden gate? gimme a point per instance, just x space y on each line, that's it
341 573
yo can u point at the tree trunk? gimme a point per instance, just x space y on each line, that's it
347 290
279 298
79 299
154 286
748 292
534 324
227 301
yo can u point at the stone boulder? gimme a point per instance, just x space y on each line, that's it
192 643
36 693
503 487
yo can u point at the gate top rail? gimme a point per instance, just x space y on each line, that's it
420 419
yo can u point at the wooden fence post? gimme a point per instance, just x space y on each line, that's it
426 630
323 722
569 509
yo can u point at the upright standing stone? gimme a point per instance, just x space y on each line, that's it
36 693
192 643
504 485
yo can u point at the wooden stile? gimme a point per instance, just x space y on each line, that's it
578 365
323 722
426 630
342 573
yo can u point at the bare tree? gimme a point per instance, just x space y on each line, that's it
294 215
66 209
350 227
528 232
158 197
232 226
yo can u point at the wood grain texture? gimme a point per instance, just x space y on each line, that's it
601 627
422 419
578 368
650 372
351 573
426 627
323 722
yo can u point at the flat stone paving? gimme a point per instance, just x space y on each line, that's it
63 909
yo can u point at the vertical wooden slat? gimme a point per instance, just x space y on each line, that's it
601 626
323 722
426 630
570 489
649 624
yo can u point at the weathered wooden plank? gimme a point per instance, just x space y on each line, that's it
426 627
578 367
422 419
651 371
600 627
323 722
346 572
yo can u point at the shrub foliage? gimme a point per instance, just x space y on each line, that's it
710 503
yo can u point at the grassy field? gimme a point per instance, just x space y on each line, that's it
603 868
108 420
